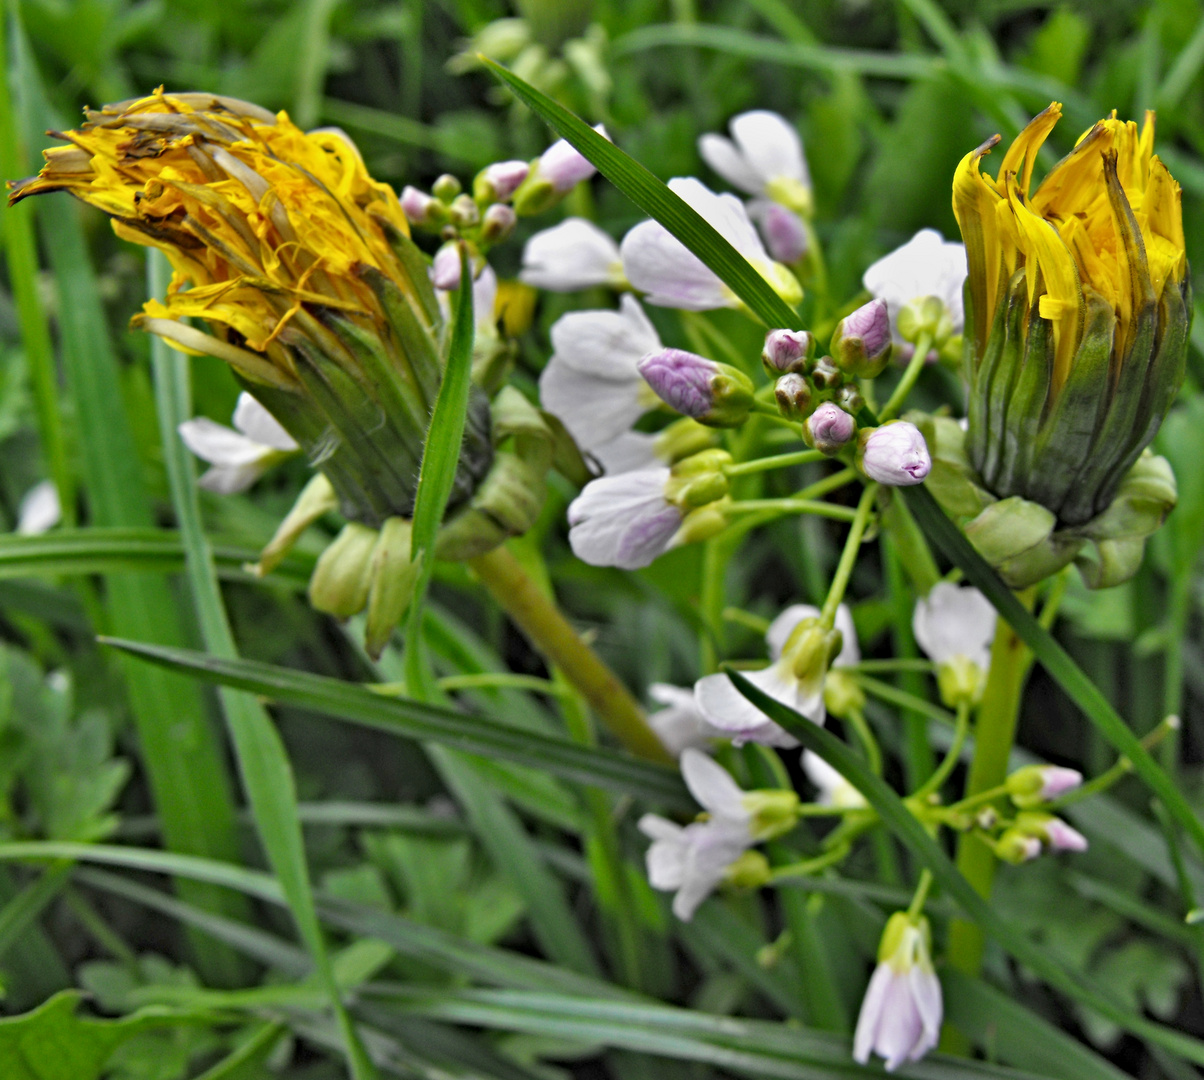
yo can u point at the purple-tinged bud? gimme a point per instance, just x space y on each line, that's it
894 454
564 166
1053 831
497 182
498 223
446 187
717 395
793 395
829 428
787 350
417 205
1016 846
1036 784
861 343
826 375
785 237
445 271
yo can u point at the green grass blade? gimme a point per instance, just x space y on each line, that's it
911 832
655 199
950 540
417 720
21 256
141 550
263 762
192 791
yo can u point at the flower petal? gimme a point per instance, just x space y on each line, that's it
259 425
712 785
39 510
725 159
573 255
770 145
737 717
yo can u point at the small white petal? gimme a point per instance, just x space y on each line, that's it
732 713
723 156
259 425
834 789
870 1017
926 992
679 725
596 411
900 1027
927 265
656 827
39 510
955 620
770 145
712 785
623 520
573 255
605 344
631 450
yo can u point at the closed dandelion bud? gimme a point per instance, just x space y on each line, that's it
774 811
714 394
1077 318
498 223
787 351
893 454
793 395
1037 784
750 871
861 344
1016 846
826 375
343 574
446 188
829 428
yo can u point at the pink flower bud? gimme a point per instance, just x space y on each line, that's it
715 394
829 428
894 454
498 223
445 273
416 205
793 396
861 343
563 166
1061 837
504 177
787 350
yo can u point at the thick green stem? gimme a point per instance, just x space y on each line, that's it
551 633
993 739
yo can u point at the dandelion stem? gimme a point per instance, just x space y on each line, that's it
550 632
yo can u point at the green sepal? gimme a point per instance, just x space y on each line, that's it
995 384
1105 563
391 584
1147 494
418 277
1017 538
416 338
340 581
1026 407
1064 441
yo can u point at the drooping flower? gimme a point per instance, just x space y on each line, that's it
573 255
901 1013
800 653
955 625
894 454
679 725
927 265
240 455
39 510
693 860
764 157
658 264
1053 832
592 382
1085 280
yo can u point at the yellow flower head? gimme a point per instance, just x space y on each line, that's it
1078 310
1108 216
257 217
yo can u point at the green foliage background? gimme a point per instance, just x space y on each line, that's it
488 913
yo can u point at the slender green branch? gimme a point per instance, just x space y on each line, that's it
915 366
902 698
852 545
873 755
794 506
778 461
1121 769
918 901
809 867
887 666
950 760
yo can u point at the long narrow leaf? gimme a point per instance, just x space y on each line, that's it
418 720
907 827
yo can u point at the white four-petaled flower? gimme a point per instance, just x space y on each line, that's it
952 621
693 859
927 265
238 457
738 718
763 157
900 1017
592 383
623 520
